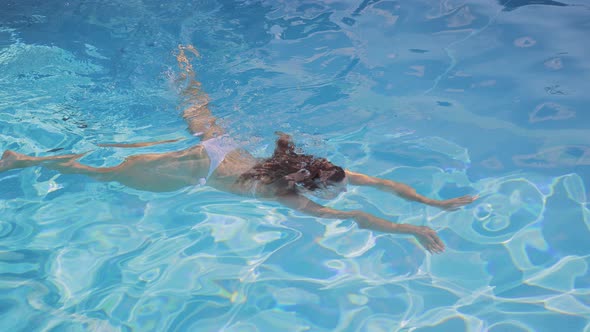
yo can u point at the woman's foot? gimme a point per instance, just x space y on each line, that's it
11 160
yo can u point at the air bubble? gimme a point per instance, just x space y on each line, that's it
496 223
482 211
5 228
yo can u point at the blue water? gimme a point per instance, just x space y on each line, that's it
451 97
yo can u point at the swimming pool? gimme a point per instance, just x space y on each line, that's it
451 97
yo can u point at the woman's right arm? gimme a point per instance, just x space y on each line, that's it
425 235
407 192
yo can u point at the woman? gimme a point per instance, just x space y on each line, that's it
286 177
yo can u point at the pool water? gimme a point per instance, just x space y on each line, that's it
451 97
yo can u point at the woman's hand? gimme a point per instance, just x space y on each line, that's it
425 235
429 239
455 203
407 192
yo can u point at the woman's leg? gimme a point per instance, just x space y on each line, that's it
151 172
139 144
65 164
199 118
13 160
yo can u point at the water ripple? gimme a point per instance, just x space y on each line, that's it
505 122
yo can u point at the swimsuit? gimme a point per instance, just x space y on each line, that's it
217 148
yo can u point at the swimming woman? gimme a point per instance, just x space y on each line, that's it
286 177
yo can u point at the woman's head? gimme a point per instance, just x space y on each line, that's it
330 180
299 172
315 174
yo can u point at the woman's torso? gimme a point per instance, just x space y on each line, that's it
227 177
192 167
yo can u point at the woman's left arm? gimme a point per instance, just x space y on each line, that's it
407 192
425 235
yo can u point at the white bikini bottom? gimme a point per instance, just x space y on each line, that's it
217 148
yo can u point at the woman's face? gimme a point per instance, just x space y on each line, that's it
330 190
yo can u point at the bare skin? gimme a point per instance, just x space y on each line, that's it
171 171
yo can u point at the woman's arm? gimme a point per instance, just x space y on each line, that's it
407 192
425 235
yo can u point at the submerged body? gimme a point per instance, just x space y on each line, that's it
171 171
286 177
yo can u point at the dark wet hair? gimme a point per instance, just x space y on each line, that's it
293 169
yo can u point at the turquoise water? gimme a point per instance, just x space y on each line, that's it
451 97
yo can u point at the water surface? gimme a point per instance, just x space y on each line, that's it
450 97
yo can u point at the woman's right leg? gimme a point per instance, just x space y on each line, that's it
199 118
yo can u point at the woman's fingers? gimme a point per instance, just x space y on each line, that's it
455 203
438 242
430 241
